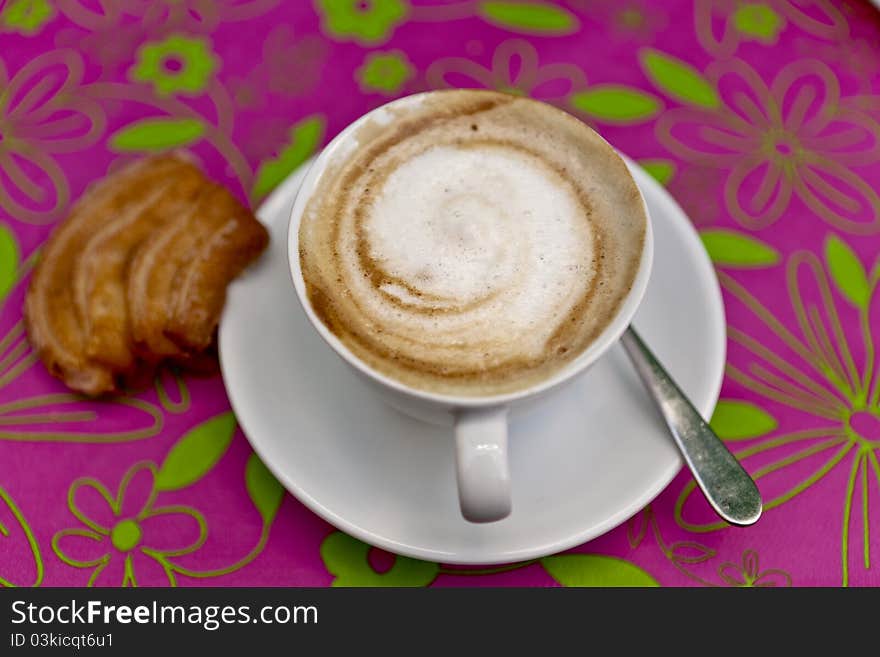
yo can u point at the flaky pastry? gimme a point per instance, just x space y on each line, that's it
137 273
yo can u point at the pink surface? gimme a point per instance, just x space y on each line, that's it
760 117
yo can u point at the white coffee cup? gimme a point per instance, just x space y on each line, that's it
480 423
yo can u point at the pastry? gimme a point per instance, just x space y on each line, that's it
100 279
137 273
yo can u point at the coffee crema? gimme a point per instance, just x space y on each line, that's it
474 244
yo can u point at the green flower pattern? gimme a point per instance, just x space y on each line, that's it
347 559
26 17
758 22
128 539
759 142
124 538
747 574
515 68
812 369
384 72
368 22
177 65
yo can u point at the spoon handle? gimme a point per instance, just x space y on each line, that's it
727 486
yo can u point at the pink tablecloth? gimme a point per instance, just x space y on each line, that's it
760 117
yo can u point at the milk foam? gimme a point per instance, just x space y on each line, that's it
482 235
466 251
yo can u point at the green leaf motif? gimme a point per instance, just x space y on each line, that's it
690 552
637 527
529 17
9 258
264 490
157 134
17 545
847 272
348 559
193 456
739 420
595 570
678 79
661 170
614 103
728 248
305 137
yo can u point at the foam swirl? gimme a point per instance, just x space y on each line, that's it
473 245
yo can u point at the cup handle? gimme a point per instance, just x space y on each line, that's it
481 464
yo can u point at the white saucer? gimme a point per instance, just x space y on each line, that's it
582 462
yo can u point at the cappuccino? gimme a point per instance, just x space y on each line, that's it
474 244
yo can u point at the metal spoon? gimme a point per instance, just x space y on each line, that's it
727 486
